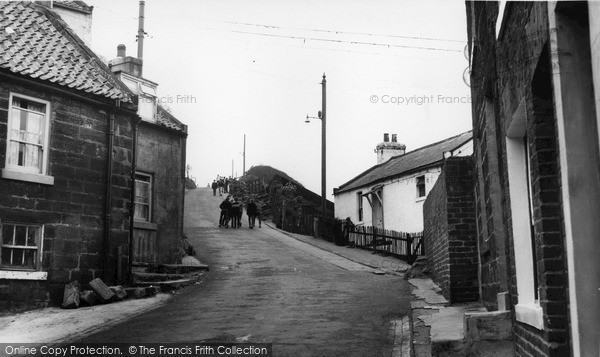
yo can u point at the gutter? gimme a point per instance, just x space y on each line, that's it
108 203
135 122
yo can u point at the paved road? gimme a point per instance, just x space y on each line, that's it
265 286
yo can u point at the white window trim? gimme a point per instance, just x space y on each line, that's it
527 309
13 172
23 275
501 18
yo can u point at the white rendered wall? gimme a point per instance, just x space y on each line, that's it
402 210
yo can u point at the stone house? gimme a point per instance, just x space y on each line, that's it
535 74
391 194
65 157
160 143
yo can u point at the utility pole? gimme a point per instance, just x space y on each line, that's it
244 156
141 33
323 148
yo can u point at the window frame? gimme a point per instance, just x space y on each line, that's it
150 205
527 308
417 179
16 172
359 203
39 246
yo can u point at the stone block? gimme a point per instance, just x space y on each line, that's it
488 326
104 293
71 295
120 293
136 293
89 297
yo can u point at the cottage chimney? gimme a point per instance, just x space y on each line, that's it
121 49
386 149
76 14
126 64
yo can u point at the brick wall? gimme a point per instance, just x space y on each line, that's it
435 234
72 209
522 71
450 231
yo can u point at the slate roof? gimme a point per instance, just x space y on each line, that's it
409 162
164 118
37 43
75 5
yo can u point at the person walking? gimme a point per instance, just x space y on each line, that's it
251 212
214 187
233 213
225 207
258 213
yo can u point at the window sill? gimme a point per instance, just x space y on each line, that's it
530 314
421 199
23 275
144 225
27 176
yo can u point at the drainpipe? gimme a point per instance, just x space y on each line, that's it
135 125
108 203
183 143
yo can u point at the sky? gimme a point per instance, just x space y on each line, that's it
233 68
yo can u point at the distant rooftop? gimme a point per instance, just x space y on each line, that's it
409 162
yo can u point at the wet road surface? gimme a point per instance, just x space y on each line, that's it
264 286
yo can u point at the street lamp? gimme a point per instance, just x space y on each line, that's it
322 116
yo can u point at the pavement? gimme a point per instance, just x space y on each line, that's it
305 295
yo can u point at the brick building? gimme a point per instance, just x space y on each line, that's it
65 158
450 231
534 67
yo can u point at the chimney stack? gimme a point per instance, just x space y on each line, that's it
386 149
126 64
121 49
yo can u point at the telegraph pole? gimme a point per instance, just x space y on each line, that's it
323 148
244 156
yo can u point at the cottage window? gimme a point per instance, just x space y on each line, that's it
421 186
359 199
21 246
527 309
143 197
27 140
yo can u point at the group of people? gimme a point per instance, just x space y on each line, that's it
232 210
221 184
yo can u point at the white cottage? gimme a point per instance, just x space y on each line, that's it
391 194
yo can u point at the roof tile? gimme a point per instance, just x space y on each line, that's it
42 46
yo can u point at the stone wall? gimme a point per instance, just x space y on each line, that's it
72 209
164 146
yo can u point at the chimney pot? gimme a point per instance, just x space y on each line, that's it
121 50
386 137
394 138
